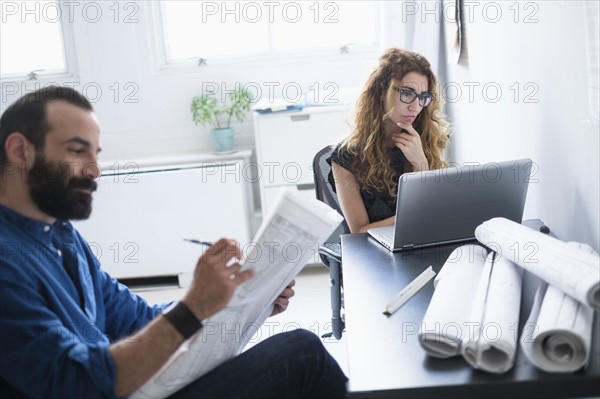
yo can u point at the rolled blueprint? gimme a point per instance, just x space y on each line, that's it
572 271
491 344
446 318
557 336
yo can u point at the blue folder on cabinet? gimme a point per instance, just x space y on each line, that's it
267 106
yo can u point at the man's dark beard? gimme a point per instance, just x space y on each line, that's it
54 190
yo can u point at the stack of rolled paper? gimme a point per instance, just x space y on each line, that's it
447 315
474 310
557 335
492 346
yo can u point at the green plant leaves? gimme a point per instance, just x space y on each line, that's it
209 109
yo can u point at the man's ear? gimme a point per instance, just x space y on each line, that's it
19 150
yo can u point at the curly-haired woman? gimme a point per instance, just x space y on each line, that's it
399 128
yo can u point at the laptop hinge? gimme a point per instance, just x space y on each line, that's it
407 246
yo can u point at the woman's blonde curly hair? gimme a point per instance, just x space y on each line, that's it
367 141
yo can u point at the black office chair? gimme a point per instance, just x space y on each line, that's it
330 252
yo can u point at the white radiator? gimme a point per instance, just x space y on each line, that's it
141 216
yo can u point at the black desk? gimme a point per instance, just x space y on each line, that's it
384 355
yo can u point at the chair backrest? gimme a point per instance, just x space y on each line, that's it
323 188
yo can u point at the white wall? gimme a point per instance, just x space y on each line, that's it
547 60
115 56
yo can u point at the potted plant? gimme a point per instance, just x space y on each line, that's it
207 109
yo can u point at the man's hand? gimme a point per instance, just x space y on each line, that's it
214 282
216 277
283 300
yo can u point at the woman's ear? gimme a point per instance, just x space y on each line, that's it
19 150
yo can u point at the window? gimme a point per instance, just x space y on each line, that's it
211 29
31 39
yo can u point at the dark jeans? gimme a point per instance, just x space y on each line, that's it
288 365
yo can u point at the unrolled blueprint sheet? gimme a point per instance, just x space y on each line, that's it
289 236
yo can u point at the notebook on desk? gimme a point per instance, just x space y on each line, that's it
446 205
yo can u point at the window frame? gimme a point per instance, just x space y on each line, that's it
70 57
272 58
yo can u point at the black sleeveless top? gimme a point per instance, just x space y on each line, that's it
379 204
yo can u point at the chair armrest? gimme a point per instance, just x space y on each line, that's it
330 251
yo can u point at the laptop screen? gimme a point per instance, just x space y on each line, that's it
446 205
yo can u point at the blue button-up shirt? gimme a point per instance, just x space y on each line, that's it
59 312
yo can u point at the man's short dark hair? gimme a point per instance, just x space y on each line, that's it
27 115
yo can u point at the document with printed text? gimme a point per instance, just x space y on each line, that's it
288 238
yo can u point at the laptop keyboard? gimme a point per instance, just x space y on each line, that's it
389 236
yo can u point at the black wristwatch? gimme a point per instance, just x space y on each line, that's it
182 318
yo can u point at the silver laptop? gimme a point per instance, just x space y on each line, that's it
446 205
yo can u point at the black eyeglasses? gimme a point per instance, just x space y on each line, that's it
407 96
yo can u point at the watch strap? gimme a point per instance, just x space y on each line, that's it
182 318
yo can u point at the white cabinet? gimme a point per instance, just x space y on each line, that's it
142 214
287 142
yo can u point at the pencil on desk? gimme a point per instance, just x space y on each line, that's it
407 292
